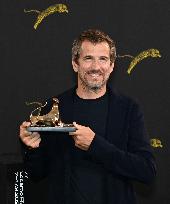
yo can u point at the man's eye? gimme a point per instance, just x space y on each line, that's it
103 59
87 58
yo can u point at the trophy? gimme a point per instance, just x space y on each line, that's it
50 121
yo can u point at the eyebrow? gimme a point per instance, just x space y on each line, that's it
90 56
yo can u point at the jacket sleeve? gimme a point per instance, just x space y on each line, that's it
35 161
137 161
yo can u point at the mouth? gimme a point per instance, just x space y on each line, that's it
94 75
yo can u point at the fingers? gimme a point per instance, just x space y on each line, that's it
28 138
77 126
25 124
33 140
23 129
73 133
83 136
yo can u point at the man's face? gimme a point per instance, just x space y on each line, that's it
94 65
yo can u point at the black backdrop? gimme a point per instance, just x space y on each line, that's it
36 64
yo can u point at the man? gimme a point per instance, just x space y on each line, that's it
109 149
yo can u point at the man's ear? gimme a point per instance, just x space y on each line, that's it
112 67
75 66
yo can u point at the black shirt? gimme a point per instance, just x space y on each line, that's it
87 177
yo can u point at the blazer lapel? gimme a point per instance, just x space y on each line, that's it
66 107
115 119
66 104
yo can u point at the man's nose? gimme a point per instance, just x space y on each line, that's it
96 64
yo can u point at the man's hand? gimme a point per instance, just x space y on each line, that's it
83 136
30 139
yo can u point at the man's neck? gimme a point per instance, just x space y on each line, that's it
85 93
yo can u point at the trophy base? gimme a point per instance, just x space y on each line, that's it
52 129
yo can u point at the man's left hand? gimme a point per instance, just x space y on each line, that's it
83 136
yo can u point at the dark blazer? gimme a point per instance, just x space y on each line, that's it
125 152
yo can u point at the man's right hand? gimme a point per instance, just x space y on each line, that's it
30 139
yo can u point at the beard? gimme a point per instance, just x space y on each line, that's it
93 84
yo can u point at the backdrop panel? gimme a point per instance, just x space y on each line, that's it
36 64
